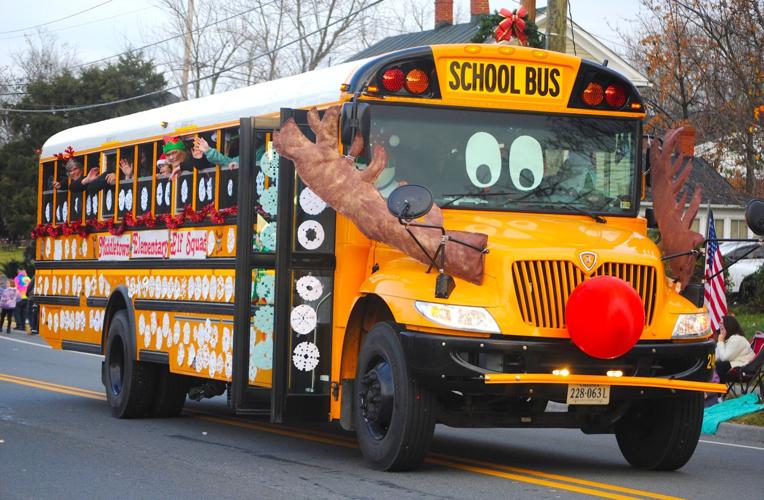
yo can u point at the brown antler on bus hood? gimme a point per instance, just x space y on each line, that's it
351 192
674 221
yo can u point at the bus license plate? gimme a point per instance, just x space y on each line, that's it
580 394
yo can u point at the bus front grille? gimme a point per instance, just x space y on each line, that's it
542 287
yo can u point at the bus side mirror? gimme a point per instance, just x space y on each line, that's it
355 116
652 222
409 202
754 216
648 142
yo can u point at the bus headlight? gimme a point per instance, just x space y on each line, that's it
475 319
692 325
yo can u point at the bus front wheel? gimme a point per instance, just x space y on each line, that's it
661 434
129 383
394 417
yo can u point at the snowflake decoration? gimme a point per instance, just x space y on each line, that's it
264 319
309 288
265 287
311 203
269 200
306 356
303 319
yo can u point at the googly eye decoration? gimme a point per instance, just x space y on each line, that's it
167 194
269 200
121 200
311 203
310 234
109 200
160 194
303 319
229 188
305 357
184 191
268 237
144 199
309 288
202 190
260 183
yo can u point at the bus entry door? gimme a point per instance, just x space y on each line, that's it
284 283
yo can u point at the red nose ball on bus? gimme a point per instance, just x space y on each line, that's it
605 317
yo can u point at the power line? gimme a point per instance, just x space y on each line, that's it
56 20
52 109
86 23
21 83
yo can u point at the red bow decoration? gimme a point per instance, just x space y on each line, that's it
513 24
66 155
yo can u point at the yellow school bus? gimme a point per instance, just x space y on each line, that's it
242 279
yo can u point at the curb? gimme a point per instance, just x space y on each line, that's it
739 432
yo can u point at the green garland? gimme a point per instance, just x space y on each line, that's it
488 24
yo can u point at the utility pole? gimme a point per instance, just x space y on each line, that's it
556 25
530 6
187 50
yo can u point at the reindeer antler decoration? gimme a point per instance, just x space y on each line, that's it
351 192
674 221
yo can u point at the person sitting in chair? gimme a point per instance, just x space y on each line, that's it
732 348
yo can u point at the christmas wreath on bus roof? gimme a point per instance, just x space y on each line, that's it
503 25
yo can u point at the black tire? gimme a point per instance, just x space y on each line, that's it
129 383
661 434
170 395
394 417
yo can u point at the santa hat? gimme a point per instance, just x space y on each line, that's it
162 160
172 144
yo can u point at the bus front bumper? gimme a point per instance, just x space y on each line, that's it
522 365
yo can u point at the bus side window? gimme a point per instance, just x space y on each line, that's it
48 178
145 170
162 195
108 196
62 193
206 177
126 174
184 194
229 176
91 195
77 200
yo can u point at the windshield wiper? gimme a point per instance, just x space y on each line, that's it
459 196
597 218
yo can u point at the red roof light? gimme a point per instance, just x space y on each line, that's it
392 80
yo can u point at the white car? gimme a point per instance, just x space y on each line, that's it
751 257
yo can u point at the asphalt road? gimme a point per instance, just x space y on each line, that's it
58 440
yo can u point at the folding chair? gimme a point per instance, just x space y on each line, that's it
751 375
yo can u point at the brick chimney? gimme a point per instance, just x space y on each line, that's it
444 13
687 140
479 8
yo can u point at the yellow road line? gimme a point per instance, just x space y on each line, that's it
73 391
554 481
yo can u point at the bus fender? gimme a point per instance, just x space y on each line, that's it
118 300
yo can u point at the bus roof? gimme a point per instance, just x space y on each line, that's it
297 91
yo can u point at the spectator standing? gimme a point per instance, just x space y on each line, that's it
22 283
9 295
31 309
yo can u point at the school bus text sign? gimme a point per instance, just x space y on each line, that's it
472 78
155 244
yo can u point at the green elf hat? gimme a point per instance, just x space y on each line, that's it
173 144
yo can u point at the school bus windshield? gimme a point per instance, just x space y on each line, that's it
510 161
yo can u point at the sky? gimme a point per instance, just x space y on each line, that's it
107 27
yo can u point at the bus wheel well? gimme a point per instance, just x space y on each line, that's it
367 311
118 301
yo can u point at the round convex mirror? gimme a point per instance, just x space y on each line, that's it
409 201
754 216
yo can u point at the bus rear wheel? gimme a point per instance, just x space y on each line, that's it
661 434
394 417
129 383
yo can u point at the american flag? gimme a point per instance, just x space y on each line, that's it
716 299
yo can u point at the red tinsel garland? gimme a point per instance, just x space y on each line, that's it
128 221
